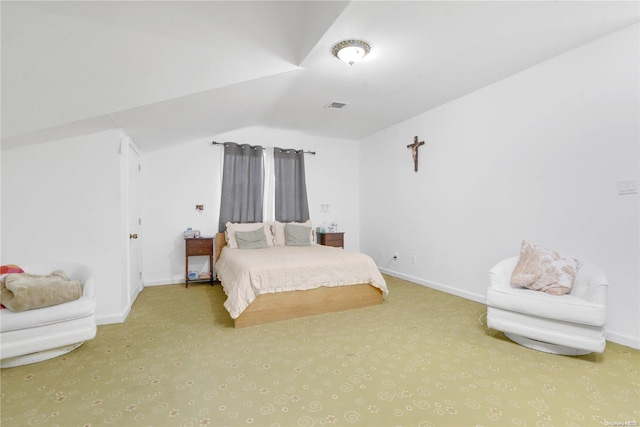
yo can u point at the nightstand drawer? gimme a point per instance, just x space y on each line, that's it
202 246
331 239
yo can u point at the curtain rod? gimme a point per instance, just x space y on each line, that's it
222 143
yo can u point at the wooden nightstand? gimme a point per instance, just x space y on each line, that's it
201 246
331 239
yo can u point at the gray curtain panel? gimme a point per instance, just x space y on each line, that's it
242 184
290 186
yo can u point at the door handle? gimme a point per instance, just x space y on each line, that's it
133 236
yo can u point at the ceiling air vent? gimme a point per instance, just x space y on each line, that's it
336 105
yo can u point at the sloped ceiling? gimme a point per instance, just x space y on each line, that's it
174 71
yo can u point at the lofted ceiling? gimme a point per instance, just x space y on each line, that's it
170 72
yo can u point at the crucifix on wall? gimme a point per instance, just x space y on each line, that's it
414 149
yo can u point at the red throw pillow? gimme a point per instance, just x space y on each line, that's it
10 268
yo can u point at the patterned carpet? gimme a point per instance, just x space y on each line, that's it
420 359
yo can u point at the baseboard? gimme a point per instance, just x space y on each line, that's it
112 318
437 286
163 282
120 317
611 336
178 280
623 340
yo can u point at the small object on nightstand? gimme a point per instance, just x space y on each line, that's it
331 239
190 233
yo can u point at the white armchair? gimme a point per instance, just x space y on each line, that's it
571 324
35 335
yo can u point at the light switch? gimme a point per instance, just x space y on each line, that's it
627 186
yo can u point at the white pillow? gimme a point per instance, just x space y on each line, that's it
230 233
278 232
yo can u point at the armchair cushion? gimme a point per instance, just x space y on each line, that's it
566 308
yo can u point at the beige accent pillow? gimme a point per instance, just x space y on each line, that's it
21 292
544 270
230 233
278 232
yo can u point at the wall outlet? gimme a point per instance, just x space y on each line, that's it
413 259
395 255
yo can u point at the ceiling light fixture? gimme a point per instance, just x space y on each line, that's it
351 51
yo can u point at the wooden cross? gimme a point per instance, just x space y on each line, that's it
414 149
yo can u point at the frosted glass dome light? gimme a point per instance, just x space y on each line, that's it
351 51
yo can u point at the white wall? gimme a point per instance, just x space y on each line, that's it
178 178
61 201
535 156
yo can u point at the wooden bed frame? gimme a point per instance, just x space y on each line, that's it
293 304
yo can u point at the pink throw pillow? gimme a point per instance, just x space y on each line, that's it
544 270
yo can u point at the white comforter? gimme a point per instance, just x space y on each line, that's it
247 273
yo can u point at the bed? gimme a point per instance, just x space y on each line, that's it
284 282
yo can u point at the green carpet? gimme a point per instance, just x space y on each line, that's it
420 359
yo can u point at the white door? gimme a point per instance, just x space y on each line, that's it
135 225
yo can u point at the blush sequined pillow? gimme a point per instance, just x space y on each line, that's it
543 270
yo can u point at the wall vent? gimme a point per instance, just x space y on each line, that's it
336 105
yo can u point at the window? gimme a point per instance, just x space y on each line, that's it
243 197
